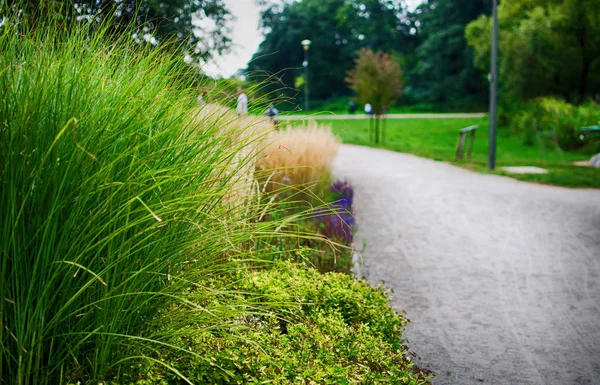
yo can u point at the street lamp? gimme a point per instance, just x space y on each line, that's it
493 87
305 43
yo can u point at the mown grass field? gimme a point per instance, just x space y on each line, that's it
437 139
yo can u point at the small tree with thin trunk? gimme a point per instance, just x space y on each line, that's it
376 79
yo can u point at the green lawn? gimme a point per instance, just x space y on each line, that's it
437 139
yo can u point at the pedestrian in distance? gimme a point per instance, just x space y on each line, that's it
272 112
351 106
242 102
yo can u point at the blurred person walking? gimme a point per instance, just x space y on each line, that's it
242 102
272 112
351 107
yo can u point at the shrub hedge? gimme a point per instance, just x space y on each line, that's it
557 119
308 327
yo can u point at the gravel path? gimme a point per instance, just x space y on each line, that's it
500 278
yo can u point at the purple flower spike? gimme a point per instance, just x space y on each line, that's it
338 222
344 189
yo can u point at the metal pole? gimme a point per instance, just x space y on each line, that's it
306 79
493 87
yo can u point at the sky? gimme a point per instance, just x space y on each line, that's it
246 38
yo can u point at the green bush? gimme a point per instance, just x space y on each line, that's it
555 120
308 328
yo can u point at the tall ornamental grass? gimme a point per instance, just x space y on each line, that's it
299 156
113 202
253 135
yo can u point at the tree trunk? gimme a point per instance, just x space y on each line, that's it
584 78
583 37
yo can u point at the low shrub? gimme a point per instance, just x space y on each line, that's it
550 119
307 328
336 105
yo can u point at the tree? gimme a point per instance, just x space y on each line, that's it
547 47
376 79
443 70
337 29
203 25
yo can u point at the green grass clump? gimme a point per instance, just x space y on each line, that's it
325 329
437 139
111 201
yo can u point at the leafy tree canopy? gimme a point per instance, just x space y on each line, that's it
202 24
547 47
376 79
442 68
337 29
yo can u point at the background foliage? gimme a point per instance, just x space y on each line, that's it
429 43
546 48
202 27
441 70
337 29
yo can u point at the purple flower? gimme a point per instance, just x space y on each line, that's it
344 189
337 221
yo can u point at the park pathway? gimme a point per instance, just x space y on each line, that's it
500 278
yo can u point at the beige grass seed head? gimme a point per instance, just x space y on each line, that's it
298 156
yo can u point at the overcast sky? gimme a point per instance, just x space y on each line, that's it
246 38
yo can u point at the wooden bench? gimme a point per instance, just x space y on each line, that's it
462 137
590 132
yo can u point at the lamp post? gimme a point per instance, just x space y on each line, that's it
305 43
493 77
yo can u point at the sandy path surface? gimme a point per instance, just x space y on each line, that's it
500 278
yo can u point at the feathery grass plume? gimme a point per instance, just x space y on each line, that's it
298 156
246 133
111 203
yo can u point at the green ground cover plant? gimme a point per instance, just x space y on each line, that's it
323 329
133 231
437 139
